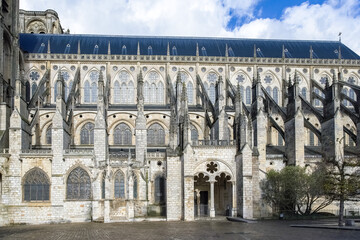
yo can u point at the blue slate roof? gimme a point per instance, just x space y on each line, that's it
185 46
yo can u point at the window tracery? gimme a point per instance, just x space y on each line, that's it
48 135
36 186
122 134
156 135
153 89
78 185
87 134
119 185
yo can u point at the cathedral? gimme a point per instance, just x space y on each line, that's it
132 128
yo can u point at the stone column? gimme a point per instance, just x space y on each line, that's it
212 201
234 207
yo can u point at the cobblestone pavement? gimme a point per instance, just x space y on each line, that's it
175 231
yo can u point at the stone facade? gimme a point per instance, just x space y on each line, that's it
109 147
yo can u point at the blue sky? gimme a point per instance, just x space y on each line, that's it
280 19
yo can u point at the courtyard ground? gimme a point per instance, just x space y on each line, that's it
220 229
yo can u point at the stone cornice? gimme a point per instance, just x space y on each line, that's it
161 59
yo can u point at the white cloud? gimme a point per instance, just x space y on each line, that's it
206 18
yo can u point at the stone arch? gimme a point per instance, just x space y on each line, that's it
36 25
201 166
275 77
242 72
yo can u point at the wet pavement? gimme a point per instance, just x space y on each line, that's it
223 229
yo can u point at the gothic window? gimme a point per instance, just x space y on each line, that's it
242 93
130 92
103 185
152 93
86 92
323 80
68 89
93 92
156 135
36 186
78 185
48 135
280 140
135 188
312 139
268 79
160 93
123 50
303 92
159 190
276 95
56 90
268 90
194 133
240 78
122 134
345 92
33 89
190 93
248 95
317 101
212 93
150 50
87 134
119 185
123 93
34 75
352 94
27 87
146 92
116 92
174 51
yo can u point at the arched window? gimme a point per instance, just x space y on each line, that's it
55 90
303 92
135 188
48 135
36 185
248 95
190 93
160 93
103 185
156 135
116 92
159 190
86 92
94 92
33 89
122 134
242 93
119 185
352 94
212 93
87 134
280 140
276 95
194 133
78 185
69 89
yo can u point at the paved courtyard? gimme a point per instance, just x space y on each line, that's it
175 231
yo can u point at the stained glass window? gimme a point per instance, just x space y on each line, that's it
122 134
124 93
317 101
119 185
303 92
248 95
48 135
159 189
352 94
86 92
268 79
103 185
276 95
212 93
94 92
36 185
146 92
78 185
87 134
194 133
33 89
34 75
116 92
312 139
27 87
268 90
190 93
130 98
156 135
242 93
152 93
160 93
280 140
